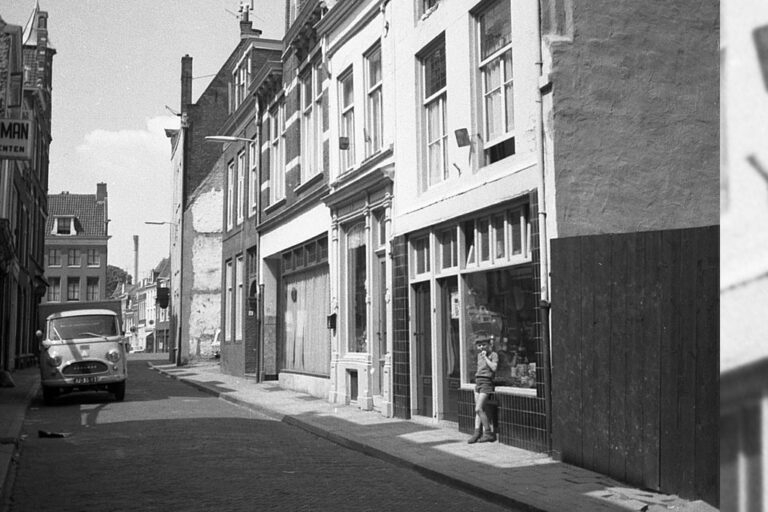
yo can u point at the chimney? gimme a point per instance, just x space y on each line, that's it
186 82
101 192
246 27
135 258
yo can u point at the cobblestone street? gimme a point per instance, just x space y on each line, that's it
171 447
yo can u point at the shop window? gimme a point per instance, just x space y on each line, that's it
356 288
421 255
449 257
500 304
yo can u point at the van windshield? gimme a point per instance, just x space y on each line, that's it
91 326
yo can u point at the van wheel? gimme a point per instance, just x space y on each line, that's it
118 390
49 395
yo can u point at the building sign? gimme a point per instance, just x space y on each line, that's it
16 138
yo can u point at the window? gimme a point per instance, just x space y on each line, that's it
93 258
421 255
73 257
240 193
427 6
502 237
448 249
54 257
228 303
64 226
434 102
356 288
241 78
73 288
311 122
494 28
373 114
500 304
92 289
253 182
347 126
54 289
277 155
239 277
231 195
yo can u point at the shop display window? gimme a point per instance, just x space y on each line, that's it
500 304
357 292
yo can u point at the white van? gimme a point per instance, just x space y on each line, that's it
83 350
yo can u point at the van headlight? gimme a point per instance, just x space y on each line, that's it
113 355
54 359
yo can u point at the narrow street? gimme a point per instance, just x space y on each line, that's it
170 447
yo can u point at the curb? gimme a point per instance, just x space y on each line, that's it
346 442
8 469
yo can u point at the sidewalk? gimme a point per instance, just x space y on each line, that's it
500 473
13 407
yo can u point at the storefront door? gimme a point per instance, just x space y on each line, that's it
423 342
450 310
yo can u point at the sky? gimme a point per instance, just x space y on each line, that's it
117 66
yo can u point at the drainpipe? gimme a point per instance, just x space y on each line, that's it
543 240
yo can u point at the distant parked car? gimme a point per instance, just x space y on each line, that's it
83 350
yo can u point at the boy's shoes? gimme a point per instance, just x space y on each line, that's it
488 437
475 437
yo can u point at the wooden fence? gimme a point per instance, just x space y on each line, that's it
635 357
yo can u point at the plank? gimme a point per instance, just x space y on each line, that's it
597 318
706 454
635 360
651 338
618 347
566 350
669 354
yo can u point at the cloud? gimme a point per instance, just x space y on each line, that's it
135 165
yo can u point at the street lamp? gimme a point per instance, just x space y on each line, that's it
226 138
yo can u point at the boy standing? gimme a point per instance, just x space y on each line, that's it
487 362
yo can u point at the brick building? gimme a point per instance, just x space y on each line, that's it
76 239
26 59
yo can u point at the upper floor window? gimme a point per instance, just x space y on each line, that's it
73 288
92 289
277 154
253 181
73 257
311 122
347 124
54 289
93 258
434 99
241 77
54 257
231 195
240 192
64 226
494 29
427 6
373 112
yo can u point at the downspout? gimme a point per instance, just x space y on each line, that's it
543 240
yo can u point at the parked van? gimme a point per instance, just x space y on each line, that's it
83 350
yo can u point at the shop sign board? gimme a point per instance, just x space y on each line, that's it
16 139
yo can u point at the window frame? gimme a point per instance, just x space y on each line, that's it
92 289
240 192
347 120
73 254
374 104
54 289
505 87
311 97
277 154
231 194
73 289
438 99
253 175
228 303
238 298
93 257
54 257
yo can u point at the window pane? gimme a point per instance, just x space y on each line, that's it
374 67
517 241
499 304
434 71
448 247
347 91
484 242
495 28
498 232
357 272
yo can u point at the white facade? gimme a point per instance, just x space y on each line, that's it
360 59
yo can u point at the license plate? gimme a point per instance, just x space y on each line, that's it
85 380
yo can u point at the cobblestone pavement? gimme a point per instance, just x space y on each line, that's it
170 447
